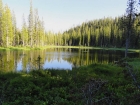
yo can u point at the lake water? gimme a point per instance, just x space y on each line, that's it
57 58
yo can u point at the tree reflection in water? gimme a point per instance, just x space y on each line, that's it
56 58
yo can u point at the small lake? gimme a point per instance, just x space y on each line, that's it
57 58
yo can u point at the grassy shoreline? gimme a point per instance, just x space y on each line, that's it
76 47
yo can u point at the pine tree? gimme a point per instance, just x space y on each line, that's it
130 16
14 28
7 28
24 33
42 33
31 25
1 11
89 35
79 35
36 28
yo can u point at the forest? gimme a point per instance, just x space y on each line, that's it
105 32
99 75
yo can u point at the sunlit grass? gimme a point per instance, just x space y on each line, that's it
74 47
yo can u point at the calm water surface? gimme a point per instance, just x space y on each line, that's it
57 58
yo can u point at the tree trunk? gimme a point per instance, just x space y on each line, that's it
7 41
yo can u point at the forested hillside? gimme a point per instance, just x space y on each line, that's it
105 32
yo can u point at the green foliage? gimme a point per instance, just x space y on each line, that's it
135 63
106 32
60 87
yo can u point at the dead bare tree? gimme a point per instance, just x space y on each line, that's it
93 89
129 21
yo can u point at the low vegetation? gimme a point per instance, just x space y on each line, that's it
94 84
74 47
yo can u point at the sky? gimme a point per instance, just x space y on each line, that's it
61 15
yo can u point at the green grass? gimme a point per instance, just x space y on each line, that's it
76 47
46 47
64 87
15 48
135 62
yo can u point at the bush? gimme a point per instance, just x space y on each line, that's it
59 87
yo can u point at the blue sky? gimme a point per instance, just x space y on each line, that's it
60 15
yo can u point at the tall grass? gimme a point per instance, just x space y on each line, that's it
135 62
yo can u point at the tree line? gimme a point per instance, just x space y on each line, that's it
31 34
105 32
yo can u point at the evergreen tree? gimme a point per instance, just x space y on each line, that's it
14 28
88 34
130 16
42 33
24 33
107 32
31 25
1 14
7 28
36 28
